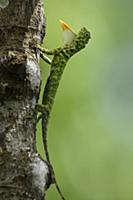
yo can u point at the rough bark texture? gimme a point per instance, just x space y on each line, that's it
23 175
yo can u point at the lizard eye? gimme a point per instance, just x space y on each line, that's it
87 34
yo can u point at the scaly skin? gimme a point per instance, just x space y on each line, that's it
59 61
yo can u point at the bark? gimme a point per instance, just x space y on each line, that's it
23 174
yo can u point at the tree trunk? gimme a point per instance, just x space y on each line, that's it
23 174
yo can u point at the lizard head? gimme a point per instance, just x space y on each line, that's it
82 38
74 42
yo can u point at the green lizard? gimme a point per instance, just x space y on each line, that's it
73 43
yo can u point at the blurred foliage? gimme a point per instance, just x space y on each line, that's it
91 130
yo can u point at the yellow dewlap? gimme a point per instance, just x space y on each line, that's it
68 37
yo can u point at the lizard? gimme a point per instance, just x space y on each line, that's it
73 43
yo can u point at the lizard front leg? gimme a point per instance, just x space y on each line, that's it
44 52
45 58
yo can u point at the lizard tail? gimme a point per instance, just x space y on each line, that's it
45 120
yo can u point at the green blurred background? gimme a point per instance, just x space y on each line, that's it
91 129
